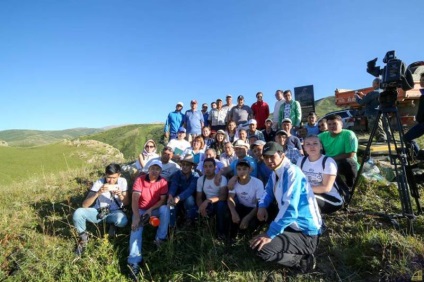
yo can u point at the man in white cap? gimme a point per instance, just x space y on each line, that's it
252 131
148 199
174 121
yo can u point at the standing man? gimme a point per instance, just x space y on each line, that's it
217 117
268 132
205 114
193 121
292 237
229 105
173 122
371 103
290 109
277 105
240 113
342 145
260 110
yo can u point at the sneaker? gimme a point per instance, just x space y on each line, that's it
112 231
134 271
307 263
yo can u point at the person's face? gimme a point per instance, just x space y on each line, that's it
334 126
322 126
287 96
208 168
231 125
259 97
281 139
220 137
257 152
422 81
154 172
240 151
150 147
213 105
186 167
229 100
252 127
204 108
312 119
287 126
166 156
178 107
196 143
229 149
193 105
240 102
219 104
206 131
209 154
273 161
278 95
243 171
181 135
312 146
243 134
268 124
112 178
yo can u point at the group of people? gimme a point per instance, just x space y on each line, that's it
244 168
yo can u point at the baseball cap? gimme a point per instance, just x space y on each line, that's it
252 121
243 163
286 120
193 102
219 99
240 97
156 162
241 144
204 105
220 131
271 148
268 119
281 132
181 104
257 143
181 129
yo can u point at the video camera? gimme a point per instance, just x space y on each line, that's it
394 75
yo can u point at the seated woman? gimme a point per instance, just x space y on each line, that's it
207 139
231 132
196 150
321 172
149 152
219 143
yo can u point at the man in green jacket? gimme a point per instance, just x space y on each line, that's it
290 109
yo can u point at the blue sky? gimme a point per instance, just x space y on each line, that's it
67 64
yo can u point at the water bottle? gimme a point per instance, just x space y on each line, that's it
172 216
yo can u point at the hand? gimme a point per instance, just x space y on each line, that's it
166 134
217 179
231 183
171 200
176 200
135 223
103 189
259 241
235 218
244 223
262 214
202 208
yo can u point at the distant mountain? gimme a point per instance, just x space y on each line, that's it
30 138
326 105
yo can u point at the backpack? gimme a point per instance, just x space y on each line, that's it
339 184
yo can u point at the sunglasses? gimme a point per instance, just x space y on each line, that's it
149 146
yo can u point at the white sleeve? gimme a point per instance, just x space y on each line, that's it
199 184
330 167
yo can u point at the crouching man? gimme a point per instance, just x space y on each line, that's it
148 197
292 237
109 195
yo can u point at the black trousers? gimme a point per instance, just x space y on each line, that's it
328 204
348 169
288 248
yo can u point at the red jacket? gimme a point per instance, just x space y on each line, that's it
261 112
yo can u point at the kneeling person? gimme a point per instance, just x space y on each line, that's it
108 195
243 199
292 237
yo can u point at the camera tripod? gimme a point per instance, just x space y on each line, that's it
400 159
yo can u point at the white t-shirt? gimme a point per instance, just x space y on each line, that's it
209 187
105 199
178 146
314 172
250 193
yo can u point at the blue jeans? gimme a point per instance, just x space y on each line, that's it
219 209
136 237
82 215
189 206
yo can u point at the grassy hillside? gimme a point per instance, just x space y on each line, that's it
129 139
19 164
30 138
325 105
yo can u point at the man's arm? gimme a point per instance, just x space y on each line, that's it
344 156
134 206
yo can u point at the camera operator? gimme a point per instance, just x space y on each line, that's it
371 103
417 130
109 195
